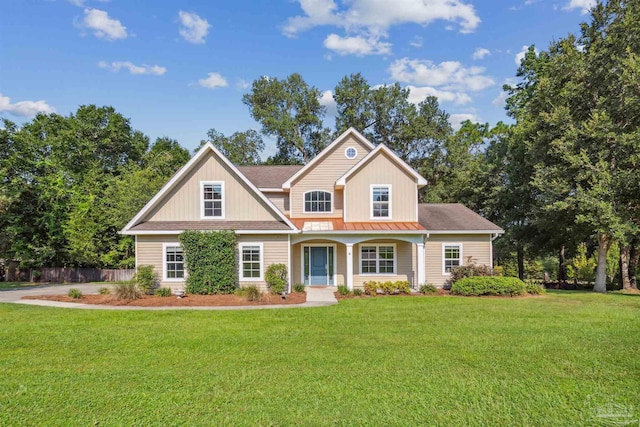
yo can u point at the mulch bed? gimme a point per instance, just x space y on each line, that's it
173 301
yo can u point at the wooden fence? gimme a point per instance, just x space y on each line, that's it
69 275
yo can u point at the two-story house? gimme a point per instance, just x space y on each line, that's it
350 215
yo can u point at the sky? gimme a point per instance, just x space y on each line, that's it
179 68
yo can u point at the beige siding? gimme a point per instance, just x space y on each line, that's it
323 176
150 252
475 248
280 200
405 264
182 203
340 260
381 170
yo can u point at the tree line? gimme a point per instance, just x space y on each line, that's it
562 178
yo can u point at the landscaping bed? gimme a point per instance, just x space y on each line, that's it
173 301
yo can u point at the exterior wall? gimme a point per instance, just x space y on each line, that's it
476 248
381 170
340 260
406 264
281 200
323 176
182 203
150 252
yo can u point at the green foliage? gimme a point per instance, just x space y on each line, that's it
343 290
241 148
469 270
582 268
104 291
380 288
75 293
358 292
127 291
162 292
428 289
299 287
276 278
534 288
210 259
484 285
252 293
145 279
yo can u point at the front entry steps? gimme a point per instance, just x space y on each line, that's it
322 295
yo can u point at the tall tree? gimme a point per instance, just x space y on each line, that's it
354 105
241 148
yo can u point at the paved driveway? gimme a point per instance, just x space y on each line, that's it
13 295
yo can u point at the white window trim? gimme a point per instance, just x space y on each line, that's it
240 266
322 245
224 203
377 246
165 245
350 147
304 207
444 245
378 218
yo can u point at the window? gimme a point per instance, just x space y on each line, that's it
212 199
251 261
451 256
317 201
377 259
173 263
350 153
380 201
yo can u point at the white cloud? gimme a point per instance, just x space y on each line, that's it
500 100
357 45
583 5
103 26
480 53
194 29
327 100
79 3
24 108
457 119
213 81
450 75
418 94
243 84
520 55
133 69
416 42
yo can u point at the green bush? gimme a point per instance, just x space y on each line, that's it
534 288
357 292
343 290
163 292
299 287
127 291
388 287
75 293
477 286
276 278
469 270
104 291
428 289
210 258
145 279
252 293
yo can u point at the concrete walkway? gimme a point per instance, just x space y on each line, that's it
316 297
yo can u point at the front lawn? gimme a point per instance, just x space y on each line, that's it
551 360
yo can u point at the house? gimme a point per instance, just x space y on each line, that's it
349 216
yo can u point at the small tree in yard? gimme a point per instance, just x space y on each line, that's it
210 259
276 278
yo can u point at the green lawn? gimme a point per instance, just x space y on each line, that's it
550 360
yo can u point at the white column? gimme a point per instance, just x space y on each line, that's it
421 276
349 278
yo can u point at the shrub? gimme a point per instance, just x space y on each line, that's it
75 293
343 290
210 258
476 286
357 292
127 291
276 278
145 279
469 270
163 292
428 289
252 293
534 288
582 268
299 287
104 291
388 287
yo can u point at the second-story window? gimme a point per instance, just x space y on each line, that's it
317 201
212 199
380 201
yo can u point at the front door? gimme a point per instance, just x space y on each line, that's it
318 265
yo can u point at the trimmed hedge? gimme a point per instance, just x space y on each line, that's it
381 288
211 262
485 285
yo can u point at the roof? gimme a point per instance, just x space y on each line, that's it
209 225
453 217
269 176
337 224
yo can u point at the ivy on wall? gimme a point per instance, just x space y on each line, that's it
211 262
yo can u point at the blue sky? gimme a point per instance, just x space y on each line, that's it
180 68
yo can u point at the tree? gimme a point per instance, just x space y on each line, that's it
165 157
354 105
289 110
241 148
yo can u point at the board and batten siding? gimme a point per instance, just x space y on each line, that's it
323 176
475 247
150 252
406 263
182 203
381 170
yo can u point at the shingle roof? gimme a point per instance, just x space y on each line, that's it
269 176
209 225
452 216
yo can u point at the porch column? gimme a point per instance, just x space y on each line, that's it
421 279
349 278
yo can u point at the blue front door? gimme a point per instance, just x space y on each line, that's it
318 264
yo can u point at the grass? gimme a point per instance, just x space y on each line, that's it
546 360
20 285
